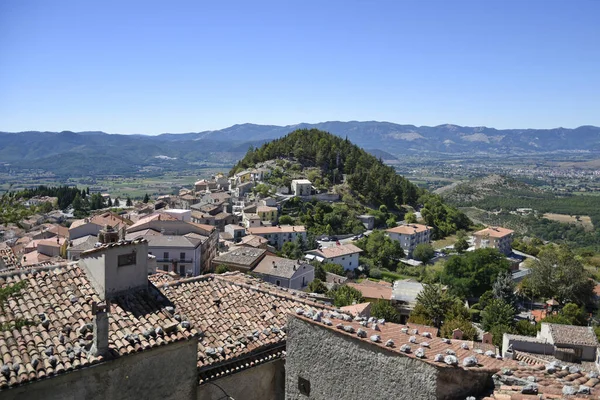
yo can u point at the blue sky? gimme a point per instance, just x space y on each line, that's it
185 66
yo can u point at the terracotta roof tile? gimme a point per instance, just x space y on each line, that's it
494 231
373 290
339 250
58 305
241 318
409 229
415 337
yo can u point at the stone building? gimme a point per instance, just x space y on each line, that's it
567 343
390 361
243 320
291 274
95 330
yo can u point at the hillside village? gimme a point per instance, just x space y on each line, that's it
262 283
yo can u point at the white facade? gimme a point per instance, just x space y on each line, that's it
184 261
301 187
409 240
117 269
180 214
349 262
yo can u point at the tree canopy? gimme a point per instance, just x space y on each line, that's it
558 274
380 251
471 274
376 182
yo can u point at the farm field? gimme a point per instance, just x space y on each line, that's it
583 220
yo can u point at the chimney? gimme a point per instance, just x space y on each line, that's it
457 334
487 338
100 323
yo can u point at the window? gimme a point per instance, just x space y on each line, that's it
182 256
166 255
278 283
126 259
166 268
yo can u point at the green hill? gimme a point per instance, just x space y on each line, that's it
365 174
370 180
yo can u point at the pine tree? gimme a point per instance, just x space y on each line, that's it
128 203
117 203
146 198
110 203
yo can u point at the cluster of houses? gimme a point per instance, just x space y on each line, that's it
101 327
117 295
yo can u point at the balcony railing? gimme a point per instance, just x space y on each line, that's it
174 260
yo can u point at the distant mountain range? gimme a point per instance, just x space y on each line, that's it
98 152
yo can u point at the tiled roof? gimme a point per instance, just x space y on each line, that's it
9 260
276 229
240 255
415 337
279 266
109 245
551 381
362 309
103 219
571 334
34 258
240 318
58 304
335 279
253 241
152 217
265 209
339 250
373 290
409 229
161 277
493 231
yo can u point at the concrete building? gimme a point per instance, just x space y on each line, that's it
268 215
93 225
78 246
368 221
278 235
251 220
494 238
301 187
237 232
345 255
204 185
567 343
291 274
409 236
395 362
241 259
181 254
168 225
257 242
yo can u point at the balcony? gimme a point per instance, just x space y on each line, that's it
174 260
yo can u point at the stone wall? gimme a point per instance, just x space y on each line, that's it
263 382
166 372
338 367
